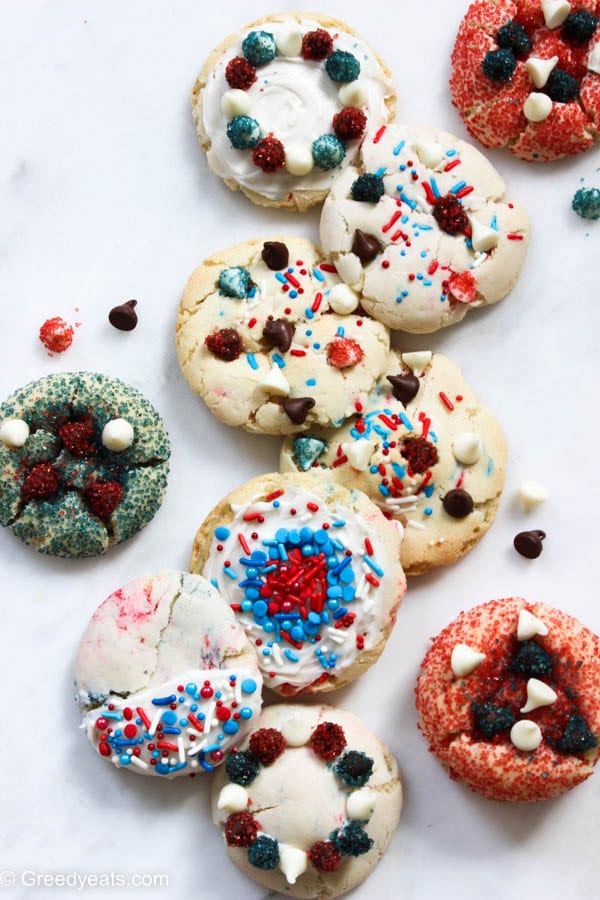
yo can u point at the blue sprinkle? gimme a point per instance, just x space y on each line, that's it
428 490
318 275
278 360
342 565
380 171
245 712
113 715
428 510
399 470
230 573
404 219
170 730
427 283
308 311
398 148
252 291
373 565
283 552
169 717
405 421
231 727
280 277
340 331
424 228
311 382
291 656
434 187
407 200
384 490
423 254
252 360
373 469
222 533
293 294
458 187
281 535
213 581
316 346
451 152
248 685
494 223
490 466
339 613
164 701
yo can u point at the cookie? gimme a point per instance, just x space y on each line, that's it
424 449
165 678
83 463
509 700
526 76
423 228
308 803
281 106
311 570
271 339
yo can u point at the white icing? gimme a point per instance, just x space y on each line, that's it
537 107
430 153
532 493
292 862
526 735
355 94
289 43
529 626
539 69
235 103
538 694
360 805
342 299
296 730
465 660
483 238
467 448
555 12
593 61
295 100
275 382
417 361
14 432
117 435
233 798
299 159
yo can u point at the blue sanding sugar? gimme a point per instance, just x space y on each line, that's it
586 203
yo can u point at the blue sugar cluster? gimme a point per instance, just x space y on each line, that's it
259 48
234 282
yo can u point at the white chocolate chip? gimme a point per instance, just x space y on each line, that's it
593 60
529 625
430 153
537 107
555 12
465 660
296 730
235 103
342 299
117 435
483 238
289 43
539 69
359 454
298 160
350 268
417 361
532 494
538 694
233 798
14 432
292 862
275 382
467 448
360 804
353 94
526 735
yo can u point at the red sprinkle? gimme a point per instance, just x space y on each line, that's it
514 237
379 134
368 546
446 401
244 544
56 335
274 495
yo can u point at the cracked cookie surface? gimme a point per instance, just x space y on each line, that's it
309 803
166 680
417 438
423 228
90 468
259 339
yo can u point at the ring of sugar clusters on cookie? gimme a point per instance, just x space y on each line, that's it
281 107
509 700
526 76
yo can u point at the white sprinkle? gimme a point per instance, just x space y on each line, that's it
181 749
411 523
155 721
136 761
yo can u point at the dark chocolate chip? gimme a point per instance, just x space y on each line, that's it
529 543
458 503
279 333
365 246
297 408
404 387
124 317
275 255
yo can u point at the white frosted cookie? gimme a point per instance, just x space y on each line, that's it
308 803
312 572
165 678
280 107
271 339
424 449
422 226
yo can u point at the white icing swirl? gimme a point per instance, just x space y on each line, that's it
295 100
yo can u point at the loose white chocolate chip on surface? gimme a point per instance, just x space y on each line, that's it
538 694
467 448
526 735
532 494
529 625
14 432
117 435
465 660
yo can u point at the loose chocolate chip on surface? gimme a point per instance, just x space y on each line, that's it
124 317
297 408
404 387
279 333
275 255
529 543
458 503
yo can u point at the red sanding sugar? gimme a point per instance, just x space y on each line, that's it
56 335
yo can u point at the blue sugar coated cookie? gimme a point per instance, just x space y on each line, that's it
235 282
259 48
586 203
243 132
328 151
342 66
307 450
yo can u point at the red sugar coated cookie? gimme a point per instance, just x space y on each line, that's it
509 700
492 82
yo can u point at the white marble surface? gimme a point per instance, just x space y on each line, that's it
104 196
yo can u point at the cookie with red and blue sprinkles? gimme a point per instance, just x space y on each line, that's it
509 700
526 76
308 802
166 680
273 341
311 570
423 228
424 449
83 463
280 107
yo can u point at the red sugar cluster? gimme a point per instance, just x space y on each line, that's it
267 745
328 740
